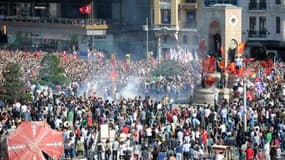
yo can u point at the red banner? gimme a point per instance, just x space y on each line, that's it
86 9
209 65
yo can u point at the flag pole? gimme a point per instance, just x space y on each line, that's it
245 103
92 12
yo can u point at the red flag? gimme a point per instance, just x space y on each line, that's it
250 96
36 54
222 65
212 65
222 50
209 65
113 75
114 61
231 68
86 9
240 72
241 48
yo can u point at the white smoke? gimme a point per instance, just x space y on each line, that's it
132 88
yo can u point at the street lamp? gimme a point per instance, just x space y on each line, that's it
146 28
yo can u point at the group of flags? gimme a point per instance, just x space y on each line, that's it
209 63
184 55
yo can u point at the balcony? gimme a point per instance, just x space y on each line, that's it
189 4
165 4
257 34
164 27
68 21
257 6
213 2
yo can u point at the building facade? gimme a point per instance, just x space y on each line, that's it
263 25
50 24
174 24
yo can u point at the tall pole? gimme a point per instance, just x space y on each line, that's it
146 35
245 105
92 22
159 48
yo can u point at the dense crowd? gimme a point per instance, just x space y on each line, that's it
147 128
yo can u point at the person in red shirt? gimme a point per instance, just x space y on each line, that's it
249 153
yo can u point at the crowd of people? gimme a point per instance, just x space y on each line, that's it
147 128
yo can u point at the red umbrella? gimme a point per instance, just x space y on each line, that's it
31 139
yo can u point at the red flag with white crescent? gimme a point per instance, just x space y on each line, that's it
86 9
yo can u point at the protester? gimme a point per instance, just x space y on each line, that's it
153 127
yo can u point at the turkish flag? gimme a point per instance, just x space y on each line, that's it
86 9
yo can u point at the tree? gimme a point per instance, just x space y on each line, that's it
168 68
14 89
51 73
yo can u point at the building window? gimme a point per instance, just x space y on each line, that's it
262 23
277 1
213 2
252 23
277 24
262 27
252 26
190 19
165 16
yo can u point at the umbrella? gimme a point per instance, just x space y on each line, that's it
31 139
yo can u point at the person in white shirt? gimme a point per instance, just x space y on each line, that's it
220 156
267 151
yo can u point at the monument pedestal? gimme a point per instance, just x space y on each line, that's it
207 95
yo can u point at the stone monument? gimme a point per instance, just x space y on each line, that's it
221 29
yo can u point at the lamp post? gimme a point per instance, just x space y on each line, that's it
146 28
244 104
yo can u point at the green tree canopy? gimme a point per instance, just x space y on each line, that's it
51 73
167 68
13 89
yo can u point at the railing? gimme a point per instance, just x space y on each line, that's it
213 2
189 4
257 6
190 1
257 34
165 1
73 21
